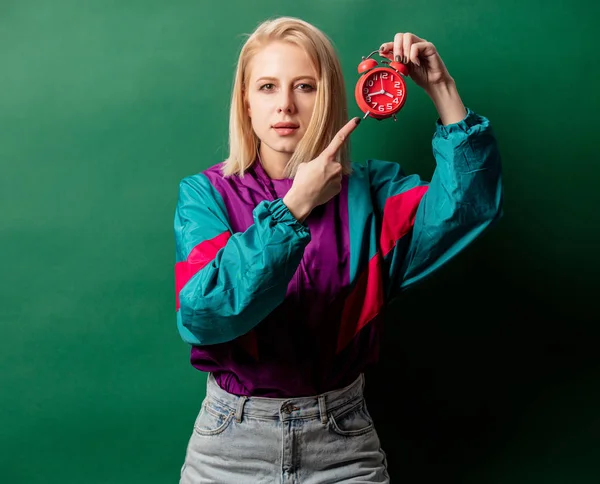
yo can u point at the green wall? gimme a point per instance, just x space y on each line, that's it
106 105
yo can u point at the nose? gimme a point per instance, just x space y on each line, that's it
285 102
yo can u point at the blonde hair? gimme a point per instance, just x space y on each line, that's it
330 109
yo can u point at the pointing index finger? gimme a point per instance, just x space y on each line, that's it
341 136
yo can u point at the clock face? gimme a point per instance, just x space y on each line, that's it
381 92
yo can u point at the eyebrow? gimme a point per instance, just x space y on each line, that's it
267 78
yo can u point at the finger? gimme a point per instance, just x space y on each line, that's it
408 40
387 50
341 136
398 47
420 50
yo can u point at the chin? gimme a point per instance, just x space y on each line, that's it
283 146
287 148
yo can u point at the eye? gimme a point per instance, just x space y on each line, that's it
305 87
267 87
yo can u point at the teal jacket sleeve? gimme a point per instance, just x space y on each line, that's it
225 282
425 224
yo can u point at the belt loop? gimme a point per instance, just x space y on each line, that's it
322 409
240 408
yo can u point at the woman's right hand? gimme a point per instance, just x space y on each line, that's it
319 180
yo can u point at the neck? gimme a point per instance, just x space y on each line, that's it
273 162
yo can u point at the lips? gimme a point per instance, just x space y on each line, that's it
285 129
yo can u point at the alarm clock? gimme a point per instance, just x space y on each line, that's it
380 90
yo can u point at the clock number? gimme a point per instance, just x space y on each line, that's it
381 108
374 105
395 101
389 106
368 99
384 75
399 92
370 83
365 90
396 85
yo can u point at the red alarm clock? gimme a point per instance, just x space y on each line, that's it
380 91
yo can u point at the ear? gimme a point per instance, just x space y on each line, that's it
247 105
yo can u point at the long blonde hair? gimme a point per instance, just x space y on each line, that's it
330 111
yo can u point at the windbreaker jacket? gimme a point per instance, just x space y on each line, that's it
278 308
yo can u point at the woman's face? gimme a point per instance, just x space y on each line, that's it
281 93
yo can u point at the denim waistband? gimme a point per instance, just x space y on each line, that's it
311 407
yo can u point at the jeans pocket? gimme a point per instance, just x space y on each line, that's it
352 421
212 419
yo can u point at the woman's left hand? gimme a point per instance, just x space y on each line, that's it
425 65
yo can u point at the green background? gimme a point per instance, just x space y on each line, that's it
106 105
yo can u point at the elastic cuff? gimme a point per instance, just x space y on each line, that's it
281 214
465 125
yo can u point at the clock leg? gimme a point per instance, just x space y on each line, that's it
366 115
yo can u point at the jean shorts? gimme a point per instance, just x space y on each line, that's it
327 438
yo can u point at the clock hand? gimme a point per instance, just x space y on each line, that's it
388 94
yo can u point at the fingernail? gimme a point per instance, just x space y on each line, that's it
397 58
382 48
357 120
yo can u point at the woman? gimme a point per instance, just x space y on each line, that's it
288 253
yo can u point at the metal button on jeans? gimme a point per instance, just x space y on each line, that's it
288 408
